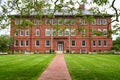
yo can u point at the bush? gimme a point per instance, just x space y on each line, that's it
106 52
68 51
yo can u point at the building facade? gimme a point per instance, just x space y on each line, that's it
62 33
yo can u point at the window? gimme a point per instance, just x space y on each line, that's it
94 32
73 21
47 32
16 32
60 21
81 21
104 21
16 22
54 32
83 32
21 42
60 32
83 51
16 43
99 42
67 22
37 42
73 32
105 43
67 32
47 21
94 22
73 43
26 43
54 21
47 43
105 32
83 43
37 32
94 43
99 21
37 21
27 32
21 32
85 21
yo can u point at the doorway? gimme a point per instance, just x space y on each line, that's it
60 46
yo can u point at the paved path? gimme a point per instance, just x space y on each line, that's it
57 70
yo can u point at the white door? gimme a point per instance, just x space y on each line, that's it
60 46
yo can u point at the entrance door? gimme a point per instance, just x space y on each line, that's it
60 46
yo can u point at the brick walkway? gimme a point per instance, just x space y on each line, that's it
57 70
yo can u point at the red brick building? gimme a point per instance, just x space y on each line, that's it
71 33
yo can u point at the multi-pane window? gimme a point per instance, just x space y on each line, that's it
21 42
83 32
99 21
37 42
37 32
85 21
94 43
47 32
99 43
104 21
73 21
67 21
73 32
60 32
16 43
94 32
105 32
37 21
21 32
16 32
47 43
81 21
26 43
16 21
83 51
54 32
105 43
54 21
73 42
83 43
27 32
60 21
47 21
67 32
94 22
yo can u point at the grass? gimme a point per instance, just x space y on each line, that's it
23 67
93 67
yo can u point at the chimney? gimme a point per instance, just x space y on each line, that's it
82 7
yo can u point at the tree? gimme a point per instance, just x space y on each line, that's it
5 42
116 44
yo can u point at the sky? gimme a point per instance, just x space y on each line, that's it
117 4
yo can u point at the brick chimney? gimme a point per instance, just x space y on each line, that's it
82 7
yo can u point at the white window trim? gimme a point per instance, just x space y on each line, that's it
73 31
105 22
65 32
36 32
26 32
47 45
25 43
59 31
15 43
16 22
95 43
35 43
100 22
22 31
53 20
106 43
16 30
46 21
85 43
20 43
94 23
60 20
46 32
71 43
106 32
98 43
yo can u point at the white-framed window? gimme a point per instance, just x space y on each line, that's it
60 21
53 32
37 21
83 43
47 32
67 32
21 32
83 32
26 43
60 32
47 21
27 32
94 43
54 21
67 21
104 32
99 43
85 21
94 22
99 30
73 21
105 43
16 21
73 43
37 32
73 32
21 43
104 21
16 42
81 21
93 32
47 43
99 21
83 51
37 43
16 32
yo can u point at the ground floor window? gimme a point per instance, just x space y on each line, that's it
21 42
73 43
94 43
83 43
16 43
99 42
37 42
83 51
26 43
47 43
105 43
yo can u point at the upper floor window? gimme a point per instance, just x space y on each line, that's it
21 42
67 21
54 21
104 21
37 32
73 32
54 32
83 43
26 43
16 32
16 21
67 32
47 32
94 32
21 32
85 21
27 32
99 42
99 21
47 43
73 21
83 32
105 43
60 21
105 32
60 32
73 42
94 43
37 42
47 21
94 22
37 21
81 21
16 43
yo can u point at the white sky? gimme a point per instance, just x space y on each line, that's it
117 4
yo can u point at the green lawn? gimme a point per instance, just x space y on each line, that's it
93 67
23 67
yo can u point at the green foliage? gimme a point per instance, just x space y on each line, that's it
116 44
